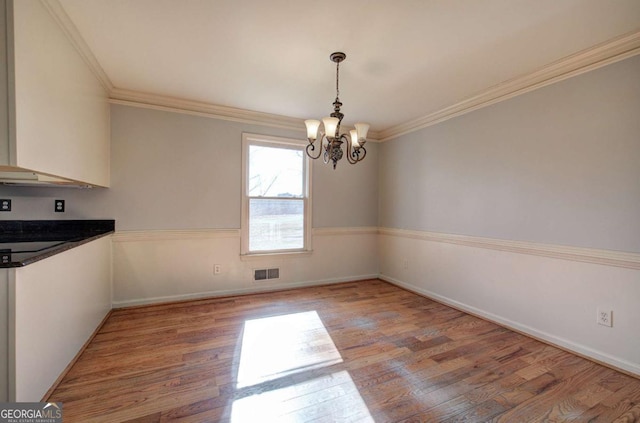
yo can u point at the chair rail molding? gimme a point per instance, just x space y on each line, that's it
586 255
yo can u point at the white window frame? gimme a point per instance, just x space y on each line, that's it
269 141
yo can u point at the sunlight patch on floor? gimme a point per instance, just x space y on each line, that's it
329 398
278 346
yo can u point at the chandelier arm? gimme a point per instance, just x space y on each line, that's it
364 153
311 147
350 150
356 154
352 157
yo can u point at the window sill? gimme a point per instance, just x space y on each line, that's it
286 255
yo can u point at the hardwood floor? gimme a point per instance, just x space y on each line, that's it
353 352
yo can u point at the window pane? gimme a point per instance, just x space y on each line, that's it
275 172
276 224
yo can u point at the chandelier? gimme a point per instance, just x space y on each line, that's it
331 139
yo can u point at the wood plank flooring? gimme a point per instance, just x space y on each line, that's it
355 352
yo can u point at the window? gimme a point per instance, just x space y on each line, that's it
275 202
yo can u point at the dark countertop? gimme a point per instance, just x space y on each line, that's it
23 242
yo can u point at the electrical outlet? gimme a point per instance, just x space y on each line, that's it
5 205
605 317
217 269
405 264
59 206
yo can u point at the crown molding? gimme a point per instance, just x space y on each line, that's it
68 27
203 109
603 54
198 108
598 56
609 52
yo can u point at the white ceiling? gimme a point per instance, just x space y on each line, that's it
405 58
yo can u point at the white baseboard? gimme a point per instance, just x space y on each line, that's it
225 293
582 350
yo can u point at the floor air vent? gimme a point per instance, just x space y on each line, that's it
263 274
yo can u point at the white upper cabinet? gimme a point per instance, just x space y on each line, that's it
56 120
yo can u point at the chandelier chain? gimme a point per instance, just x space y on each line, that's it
337 79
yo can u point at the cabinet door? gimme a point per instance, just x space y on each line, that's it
59 106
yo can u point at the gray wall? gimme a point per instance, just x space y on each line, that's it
177 171
559 165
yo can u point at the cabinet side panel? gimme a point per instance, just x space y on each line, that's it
4 335
62 114
4 85
59 302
